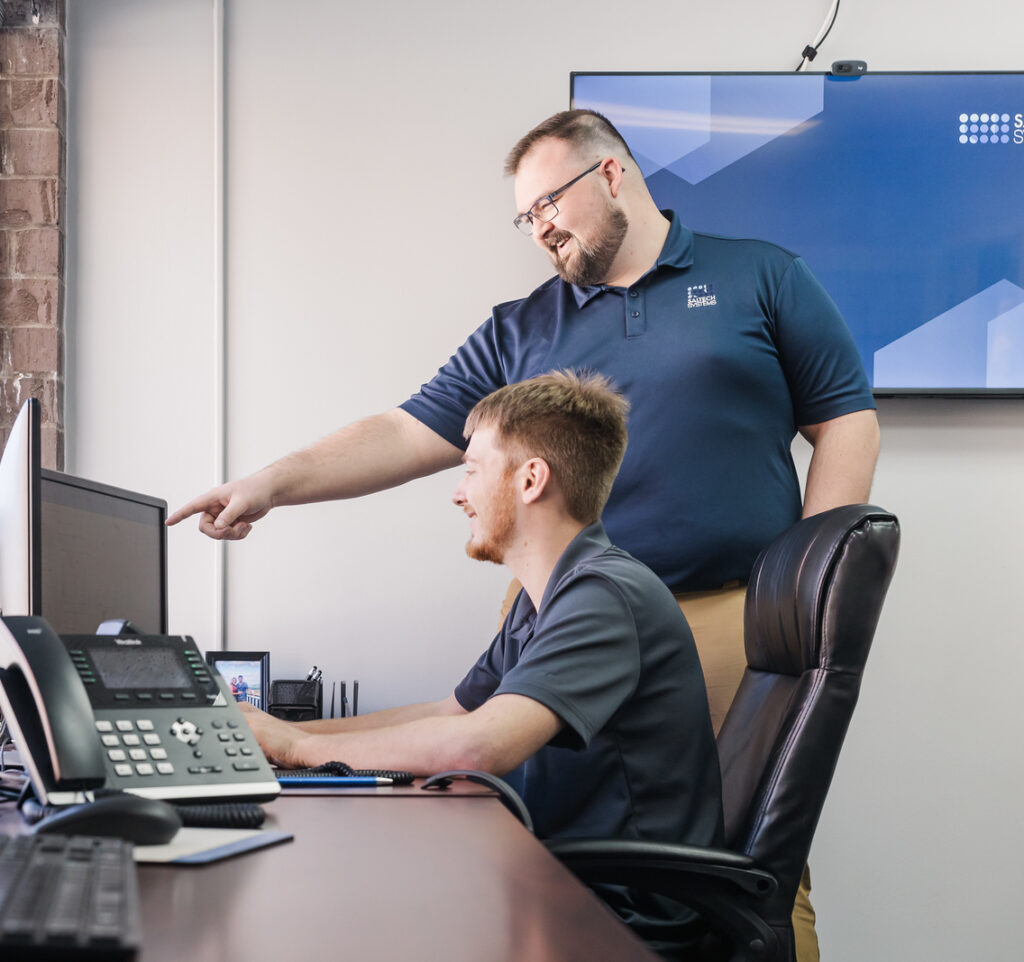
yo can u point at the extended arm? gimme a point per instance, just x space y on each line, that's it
370 455
496 737
381 719
843 463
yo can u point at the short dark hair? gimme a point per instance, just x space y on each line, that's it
575 422
585 130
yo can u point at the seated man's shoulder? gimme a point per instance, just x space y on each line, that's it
620 568
615 573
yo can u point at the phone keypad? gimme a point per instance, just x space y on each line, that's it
136 748
134 753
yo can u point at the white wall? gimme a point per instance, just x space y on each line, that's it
366 234
142 372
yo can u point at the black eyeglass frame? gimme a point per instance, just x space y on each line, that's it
528 217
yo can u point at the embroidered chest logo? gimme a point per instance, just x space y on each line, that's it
701 295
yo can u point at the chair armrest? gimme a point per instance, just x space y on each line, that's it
727 889
613 859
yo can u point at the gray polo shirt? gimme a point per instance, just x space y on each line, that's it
610 653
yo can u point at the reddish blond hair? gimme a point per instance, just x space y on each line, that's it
575 422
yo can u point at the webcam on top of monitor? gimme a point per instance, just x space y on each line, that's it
848 68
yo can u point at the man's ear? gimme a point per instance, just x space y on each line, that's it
534 478
612 171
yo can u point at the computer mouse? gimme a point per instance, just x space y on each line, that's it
144 821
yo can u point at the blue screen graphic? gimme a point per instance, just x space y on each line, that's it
903 192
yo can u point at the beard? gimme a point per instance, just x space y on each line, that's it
492 543
591 261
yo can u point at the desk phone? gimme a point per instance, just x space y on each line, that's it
139 713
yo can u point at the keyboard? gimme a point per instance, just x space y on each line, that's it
68 897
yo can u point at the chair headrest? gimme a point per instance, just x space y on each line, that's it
806 604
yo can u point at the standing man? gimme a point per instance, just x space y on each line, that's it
725 349
590 700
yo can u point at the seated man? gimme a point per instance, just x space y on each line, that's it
590 700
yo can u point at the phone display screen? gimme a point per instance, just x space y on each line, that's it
140 667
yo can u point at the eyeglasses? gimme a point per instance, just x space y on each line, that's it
544 209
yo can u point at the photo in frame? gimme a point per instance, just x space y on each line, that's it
246 672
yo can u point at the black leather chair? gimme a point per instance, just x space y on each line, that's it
813 601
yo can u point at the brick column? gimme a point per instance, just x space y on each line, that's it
32 216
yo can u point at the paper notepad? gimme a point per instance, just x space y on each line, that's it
196 846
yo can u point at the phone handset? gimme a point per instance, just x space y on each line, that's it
48 710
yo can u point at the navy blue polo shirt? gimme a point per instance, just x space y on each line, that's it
722 348
610 653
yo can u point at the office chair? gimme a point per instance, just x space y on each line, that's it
813 601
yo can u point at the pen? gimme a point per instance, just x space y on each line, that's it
310 673
334 781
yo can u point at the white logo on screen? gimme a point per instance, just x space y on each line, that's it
994 128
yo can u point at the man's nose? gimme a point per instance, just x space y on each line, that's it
541 229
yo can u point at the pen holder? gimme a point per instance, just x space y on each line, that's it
296 700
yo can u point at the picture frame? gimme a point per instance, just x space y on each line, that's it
246 672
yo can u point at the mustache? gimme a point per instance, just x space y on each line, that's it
556 237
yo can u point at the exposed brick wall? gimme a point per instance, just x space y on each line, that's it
32 220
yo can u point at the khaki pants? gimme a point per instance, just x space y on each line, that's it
716 620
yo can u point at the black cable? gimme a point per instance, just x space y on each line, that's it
811 50
5 740
12 785
26 800
221 815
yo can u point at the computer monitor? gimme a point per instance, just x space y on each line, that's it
79 553
19 517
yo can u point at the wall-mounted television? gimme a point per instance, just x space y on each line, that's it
904 192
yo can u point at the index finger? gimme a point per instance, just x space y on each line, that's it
187 510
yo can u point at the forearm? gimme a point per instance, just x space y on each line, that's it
495 738
378 452
843 463
378 719
422 746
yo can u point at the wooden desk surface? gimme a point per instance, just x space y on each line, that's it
418 877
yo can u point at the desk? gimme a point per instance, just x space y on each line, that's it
401 876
